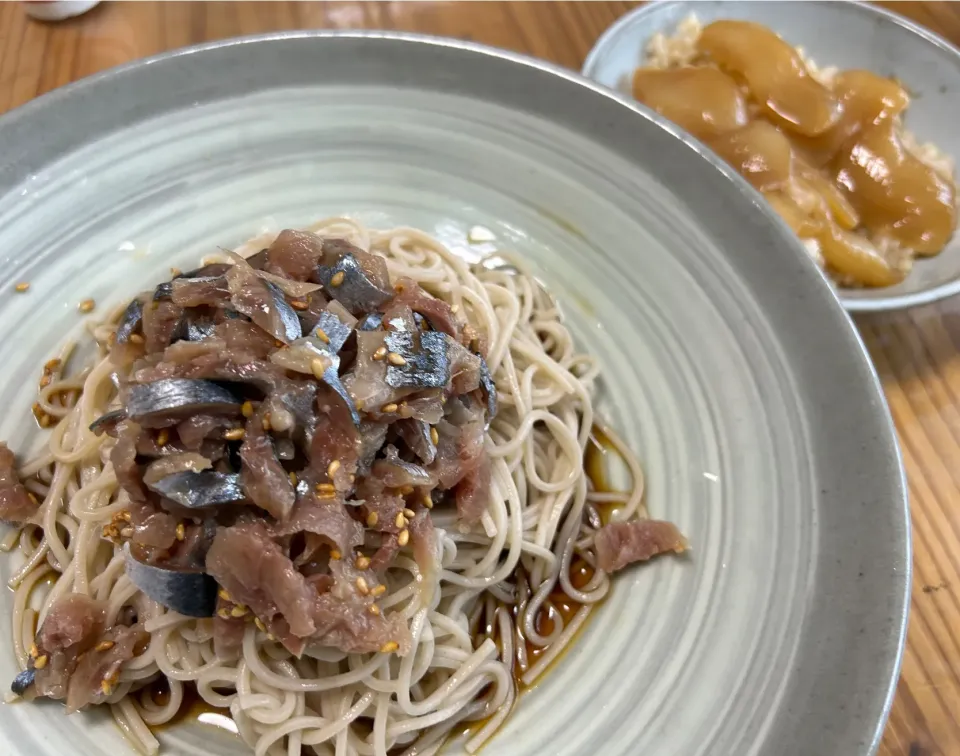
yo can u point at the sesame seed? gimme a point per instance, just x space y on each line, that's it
389 648
234 434
401 521
387 408
380 353
238 611
363 562
321 334
222 593
293 478
374 609
428 500
378 590
335 555
372 519
298 304
223 613
162 437
405 490
434 436
404 538
265 421
259 623
246 409
105 645
45 381
106 688
51 364
333 467
396 359
21 287
181 532
86 305
337 278
362 586
34 651
454 309
271 637
318 367
136 338
33 498
327 488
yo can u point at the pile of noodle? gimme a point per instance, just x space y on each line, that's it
471 618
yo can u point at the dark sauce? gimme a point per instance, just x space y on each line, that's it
192 709
558 603
599 457
597 461
36 536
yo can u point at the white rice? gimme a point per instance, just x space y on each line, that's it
675 50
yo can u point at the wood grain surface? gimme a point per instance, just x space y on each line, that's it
917 353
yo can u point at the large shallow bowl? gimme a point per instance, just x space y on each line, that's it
729 366
844 34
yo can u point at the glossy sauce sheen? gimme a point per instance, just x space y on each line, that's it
581 573
595 465
192 708
830 161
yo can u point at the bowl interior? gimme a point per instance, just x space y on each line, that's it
727 363
843 34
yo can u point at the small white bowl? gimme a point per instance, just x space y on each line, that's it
843 34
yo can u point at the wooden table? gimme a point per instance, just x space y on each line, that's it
916 353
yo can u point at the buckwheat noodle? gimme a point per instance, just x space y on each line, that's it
472 618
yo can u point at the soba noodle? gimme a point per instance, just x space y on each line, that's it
472 620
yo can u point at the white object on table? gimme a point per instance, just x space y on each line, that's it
58 10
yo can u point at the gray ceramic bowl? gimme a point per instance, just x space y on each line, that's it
844 34
728 365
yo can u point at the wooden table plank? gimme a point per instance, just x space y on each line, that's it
916 353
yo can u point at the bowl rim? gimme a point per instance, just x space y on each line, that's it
872 388
851 304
